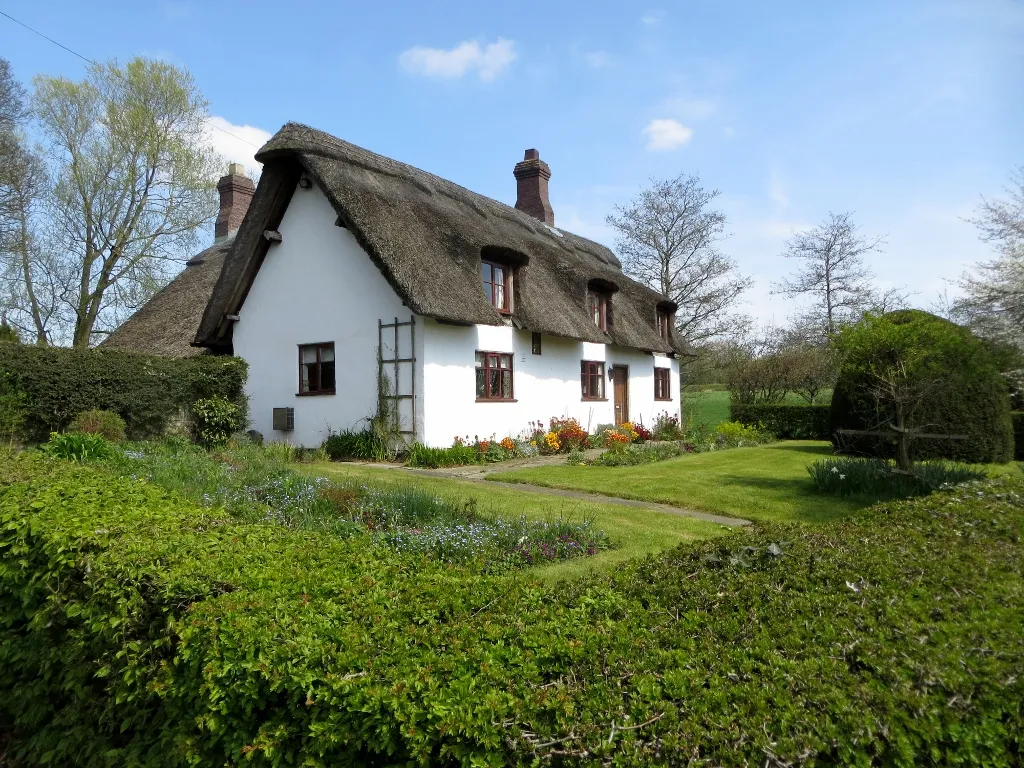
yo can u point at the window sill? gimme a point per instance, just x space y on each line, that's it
316 394
496 400
593 399
663 399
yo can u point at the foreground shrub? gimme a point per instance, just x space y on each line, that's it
878 479
786 421
364 445
140 629
148 392
214 420
732 434
912 369
107 425
667 427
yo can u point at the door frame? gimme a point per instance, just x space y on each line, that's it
625 391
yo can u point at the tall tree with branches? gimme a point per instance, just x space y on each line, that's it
133 184
27 298
668 239
833 276
993 300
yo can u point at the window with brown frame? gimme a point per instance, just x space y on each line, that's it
536 343
662 384
316 369
664 320
597 303
494 376
497 280
592 379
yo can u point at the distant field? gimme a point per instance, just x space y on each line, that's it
709 403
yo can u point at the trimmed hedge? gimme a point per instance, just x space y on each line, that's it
1018 435
146 391
964 392
138 629
786 421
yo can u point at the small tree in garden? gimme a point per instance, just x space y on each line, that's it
914 385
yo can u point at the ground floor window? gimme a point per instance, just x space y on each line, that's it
316 369
662 384
493 376
592 379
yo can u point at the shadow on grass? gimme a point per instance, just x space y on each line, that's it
822 449
806 503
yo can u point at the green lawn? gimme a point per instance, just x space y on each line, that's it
763 483
634 532
710 405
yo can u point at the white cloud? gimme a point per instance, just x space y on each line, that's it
488 62
729 131
236 143
598 59
665 133
650 19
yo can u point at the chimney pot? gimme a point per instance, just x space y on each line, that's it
532 176
236 191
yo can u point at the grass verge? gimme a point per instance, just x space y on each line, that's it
633 532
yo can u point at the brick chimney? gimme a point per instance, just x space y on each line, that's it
236 191
532 176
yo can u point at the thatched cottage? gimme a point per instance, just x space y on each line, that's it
346 277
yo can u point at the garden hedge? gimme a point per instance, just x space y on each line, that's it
138 629
146 391
963 390
786 421
1018 435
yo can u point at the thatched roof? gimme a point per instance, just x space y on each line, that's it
168 322
426 235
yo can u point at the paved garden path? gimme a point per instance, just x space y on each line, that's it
478 473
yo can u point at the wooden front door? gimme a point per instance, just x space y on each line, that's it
620 388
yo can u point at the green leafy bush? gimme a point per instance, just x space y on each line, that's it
139 629
644 453
786 421
108 425
1018 435
879 479
947 379
78 446
215 419
147 392
732 434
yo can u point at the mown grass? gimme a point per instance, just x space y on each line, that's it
768 482
633 532
709 404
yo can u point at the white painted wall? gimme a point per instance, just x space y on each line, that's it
545 385
317 285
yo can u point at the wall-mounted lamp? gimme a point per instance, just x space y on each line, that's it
305 183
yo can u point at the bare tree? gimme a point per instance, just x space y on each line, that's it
833 275
668 239
993 301
23 187
133 184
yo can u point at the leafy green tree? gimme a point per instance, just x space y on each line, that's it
133 184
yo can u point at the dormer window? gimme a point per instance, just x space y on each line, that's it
664 322
597 303
497 280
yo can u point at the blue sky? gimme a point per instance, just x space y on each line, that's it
904 112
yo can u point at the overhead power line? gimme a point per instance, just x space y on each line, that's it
94 63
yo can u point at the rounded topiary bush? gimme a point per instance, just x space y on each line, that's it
106 424
931 374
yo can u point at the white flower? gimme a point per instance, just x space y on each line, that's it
842 477
835 469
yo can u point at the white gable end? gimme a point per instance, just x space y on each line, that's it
316 285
